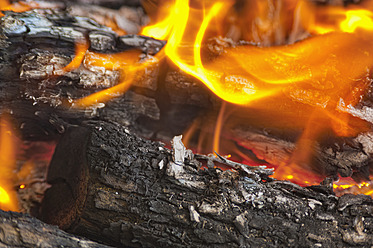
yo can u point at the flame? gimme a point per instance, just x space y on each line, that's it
163 24
218 127
8 200
20 6
332 62
357 19
319 71
346 185
127 63
321 20
80 50
239 80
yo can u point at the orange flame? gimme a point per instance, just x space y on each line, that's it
330 65
321 20
127 63
239 80
164 22
8 199
80 50
20 6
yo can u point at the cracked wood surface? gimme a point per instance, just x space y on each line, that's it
21 230
127 191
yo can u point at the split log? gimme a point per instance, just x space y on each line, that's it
20 230
111 186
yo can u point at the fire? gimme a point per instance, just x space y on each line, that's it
332 62
239 80
21 167
357 19
311 55
8 199
20 6
163 23
129 65
80 50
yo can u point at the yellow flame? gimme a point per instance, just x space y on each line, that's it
177 49
357 19
127 63
162 28
4 197
7 161
245 73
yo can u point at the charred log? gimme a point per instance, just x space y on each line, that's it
36 43
20 230
111 186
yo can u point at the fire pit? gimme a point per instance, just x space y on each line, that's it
277 92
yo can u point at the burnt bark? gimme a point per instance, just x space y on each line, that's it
126 191
37 43
20 230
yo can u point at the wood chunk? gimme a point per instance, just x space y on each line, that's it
21 230
130 192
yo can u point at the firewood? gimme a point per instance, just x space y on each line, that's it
109 185
38 98
21 230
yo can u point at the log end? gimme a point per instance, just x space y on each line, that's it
68 176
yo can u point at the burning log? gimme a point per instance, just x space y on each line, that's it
111 186
40 99
159 105
123 189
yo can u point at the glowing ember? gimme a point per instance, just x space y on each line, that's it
22 170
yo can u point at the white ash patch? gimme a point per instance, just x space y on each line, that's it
214 209
194 215
177 168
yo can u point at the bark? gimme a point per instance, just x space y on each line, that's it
20 230
38 98
126 191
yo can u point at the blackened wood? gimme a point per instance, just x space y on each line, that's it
35 44
21 230
136 193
